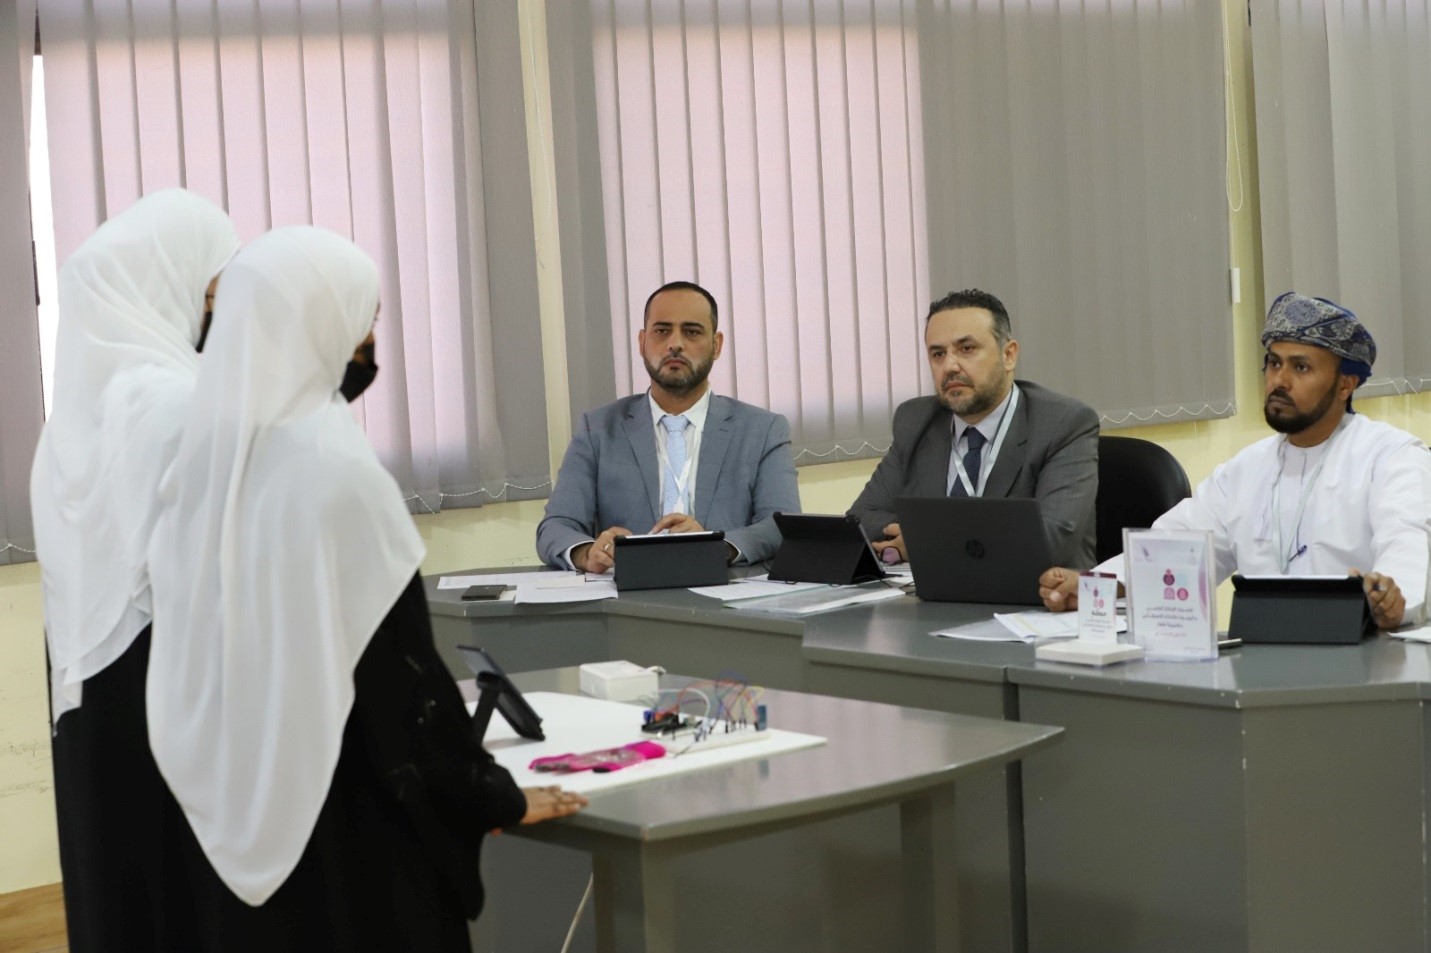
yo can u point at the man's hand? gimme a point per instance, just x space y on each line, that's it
1388 605
545 804
600 555
1058 588
894 542
678 523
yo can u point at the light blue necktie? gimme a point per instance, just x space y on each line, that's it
972 460
676 461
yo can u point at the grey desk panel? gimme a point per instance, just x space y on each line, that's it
1166 825
520 638
1335 839
857 768
1256 676
1132 832
885 653
685 632
895 636
830 898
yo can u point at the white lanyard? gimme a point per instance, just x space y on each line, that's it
988 465
683 481
1290 551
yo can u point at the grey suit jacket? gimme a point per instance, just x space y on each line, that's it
610 477
1050 454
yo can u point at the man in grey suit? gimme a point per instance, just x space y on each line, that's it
676 458
986 434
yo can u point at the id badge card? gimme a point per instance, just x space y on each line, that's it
1097 607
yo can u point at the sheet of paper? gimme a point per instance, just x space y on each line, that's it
1041 624
748 589
577 723
502 579
531 595
822 600
985 630
1420 633
1027 627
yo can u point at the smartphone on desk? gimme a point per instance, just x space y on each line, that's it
482 593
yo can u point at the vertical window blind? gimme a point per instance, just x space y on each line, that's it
22 409
1344 162
363 116
826 167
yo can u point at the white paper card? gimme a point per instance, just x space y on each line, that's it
1097 607
1172 608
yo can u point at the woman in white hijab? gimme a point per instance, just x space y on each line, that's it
130 303
298 708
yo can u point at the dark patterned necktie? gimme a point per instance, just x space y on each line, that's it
972 458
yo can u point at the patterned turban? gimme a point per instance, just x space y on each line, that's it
1323 324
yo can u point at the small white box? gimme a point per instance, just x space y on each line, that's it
618 681
1087 653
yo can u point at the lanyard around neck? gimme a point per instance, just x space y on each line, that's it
683 481
1290 551
987 467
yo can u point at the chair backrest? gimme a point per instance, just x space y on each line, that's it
1138 481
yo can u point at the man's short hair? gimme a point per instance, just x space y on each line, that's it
974 298
681 286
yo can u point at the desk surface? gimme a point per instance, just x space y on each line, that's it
894 636
875 754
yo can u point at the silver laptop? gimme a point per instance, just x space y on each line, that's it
971 549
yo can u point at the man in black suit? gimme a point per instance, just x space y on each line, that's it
986 434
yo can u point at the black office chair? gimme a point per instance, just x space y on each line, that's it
1138 481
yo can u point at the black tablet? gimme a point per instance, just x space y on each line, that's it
493 683
827 549
1306 610
671 560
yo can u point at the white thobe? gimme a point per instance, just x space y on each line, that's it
1368 509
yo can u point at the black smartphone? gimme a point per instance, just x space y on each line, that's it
475 593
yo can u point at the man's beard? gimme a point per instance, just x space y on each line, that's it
976 400
1298 421
679 380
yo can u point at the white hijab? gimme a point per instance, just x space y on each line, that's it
282 545
130 301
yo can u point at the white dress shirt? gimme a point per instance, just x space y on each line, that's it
989 427
695 425
1369 509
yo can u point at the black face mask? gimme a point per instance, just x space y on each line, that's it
358 376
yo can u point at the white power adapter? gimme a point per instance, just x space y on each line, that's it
617 681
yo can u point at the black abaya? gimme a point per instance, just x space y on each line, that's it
392 863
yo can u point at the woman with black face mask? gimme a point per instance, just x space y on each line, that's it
130 299
301 715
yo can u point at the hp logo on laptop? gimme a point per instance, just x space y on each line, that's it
975 549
